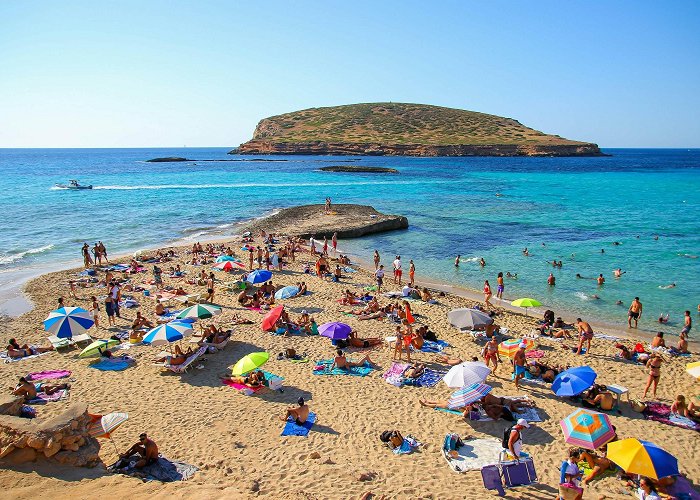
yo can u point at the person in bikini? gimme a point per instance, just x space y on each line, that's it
253 379
654 364
490 353
354 341
179 358
16 351
300 414
342 362
30 390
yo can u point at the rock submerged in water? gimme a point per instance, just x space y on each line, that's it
167 159
364 170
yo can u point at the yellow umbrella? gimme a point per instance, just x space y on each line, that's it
693 369
643 458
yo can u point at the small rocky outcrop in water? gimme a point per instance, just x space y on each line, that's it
349 221
364 170
63 439
167 159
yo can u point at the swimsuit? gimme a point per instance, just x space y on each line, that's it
633 315
520 370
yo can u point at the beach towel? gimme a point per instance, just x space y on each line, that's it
394 375
409 445
429 378
447 410
661 412
323 367
291 428
7 359
434 347
242 388
43 398
606 337
529 414
536 354
48 375
114 365
164 470
682 490
474 454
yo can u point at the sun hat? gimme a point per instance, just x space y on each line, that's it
523 422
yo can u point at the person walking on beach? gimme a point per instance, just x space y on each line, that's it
457 260
312 246
585 335
519 363
116 294
95 311
397 270
487 293
411 272
334 242
635 312
210 289
379 275
96 254
103 251
500 287
376 260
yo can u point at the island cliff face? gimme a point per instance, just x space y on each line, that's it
394 129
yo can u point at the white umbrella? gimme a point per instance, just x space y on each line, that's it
468 318
468 373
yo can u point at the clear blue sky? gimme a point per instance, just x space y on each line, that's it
202 73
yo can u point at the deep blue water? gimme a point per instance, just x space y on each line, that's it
575 206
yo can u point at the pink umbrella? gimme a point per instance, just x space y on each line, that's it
228 265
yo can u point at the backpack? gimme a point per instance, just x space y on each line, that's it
506 436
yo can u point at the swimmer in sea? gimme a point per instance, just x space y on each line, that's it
618 272
666 287
602 250
525 252
662 318
595 296
618 303
514 276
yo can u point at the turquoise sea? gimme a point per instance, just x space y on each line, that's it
567 209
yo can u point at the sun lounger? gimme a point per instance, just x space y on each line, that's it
184 366
58 343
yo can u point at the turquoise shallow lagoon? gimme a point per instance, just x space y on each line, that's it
567 209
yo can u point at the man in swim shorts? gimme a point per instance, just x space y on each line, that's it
299 414
397 270
585 335
519 363
146 448
635 312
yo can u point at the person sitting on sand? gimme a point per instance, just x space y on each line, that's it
349 298
679 406
624 353
425 295
141 322
15 351
342 362
30 390
244 299
161 309
354 341
136 336
597 464
599 397
682 343
585 335
299 415
146 448
179 358
658 341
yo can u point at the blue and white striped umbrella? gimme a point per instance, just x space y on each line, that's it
287 292
167 333
258 276
68 321
467 395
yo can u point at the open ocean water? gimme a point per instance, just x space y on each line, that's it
567 209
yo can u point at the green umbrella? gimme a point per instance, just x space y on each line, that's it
250 362
526 302
94 348
201 311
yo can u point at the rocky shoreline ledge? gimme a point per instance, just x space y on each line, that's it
349 221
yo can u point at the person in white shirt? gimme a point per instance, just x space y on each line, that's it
379 274
646 490
397 270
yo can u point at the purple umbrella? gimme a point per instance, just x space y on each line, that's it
335 330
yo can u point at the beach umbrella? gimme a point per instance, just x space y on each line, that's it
201 311
466 374
467 395
168 333
97 346
68 321
250 362
287 292
103 425
643 458
693 369
335 330
228 266
587 429
226 258
525 303
468 318
573 381
258 276
271 318
510 347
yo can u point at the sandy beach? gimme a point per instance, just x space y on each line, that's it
235 439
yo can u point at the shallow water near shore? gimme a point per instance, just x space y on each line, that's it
575 206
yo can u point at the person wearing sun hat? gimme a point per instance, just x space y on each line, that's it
515 440
519 361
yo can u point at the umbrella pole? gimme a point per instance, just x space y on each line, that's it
115 445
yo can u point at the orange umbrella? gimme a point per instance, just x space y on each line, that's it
268 322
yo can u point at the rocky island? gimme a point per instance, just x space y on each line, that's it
349 221
361 170
396 129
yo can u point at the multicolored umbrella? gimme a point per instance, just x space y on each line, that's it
268 322
201 311
68 321
258 276
168 333
103 425
250 362
510 347
526 302
228 266
587 429
693 369
335 330
468 318
97 346
643 458
226 258
467 395
573 381
466 374
287 292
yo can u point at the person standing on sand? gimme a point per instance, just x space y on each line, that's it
103 251
376 263
87 260
654 365
585 334
260 257
487 293
634 312
325 246
210 289
397 270
334 242
501 287
251 257
519 363
411 272
95 311
379 275
312 246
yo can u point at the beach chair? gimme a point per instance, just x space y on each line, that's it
188 362
76 340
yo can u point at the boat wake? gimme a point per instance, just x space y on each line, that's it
14 257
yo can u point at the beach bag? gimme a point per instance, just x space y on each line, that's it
637 405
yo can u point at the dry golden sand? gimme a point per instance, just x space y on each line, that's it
235 439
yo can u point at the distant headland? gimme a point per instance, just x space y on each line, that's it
397 129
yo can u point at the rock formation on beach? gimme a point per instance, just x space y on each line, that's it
396 129
349 221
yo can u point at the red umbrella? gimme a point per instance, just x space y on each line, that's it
271 318
228 265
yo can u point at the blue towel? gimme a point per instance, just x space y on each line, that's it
434 347
108 365
447 410
358 371
291 428
429 378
